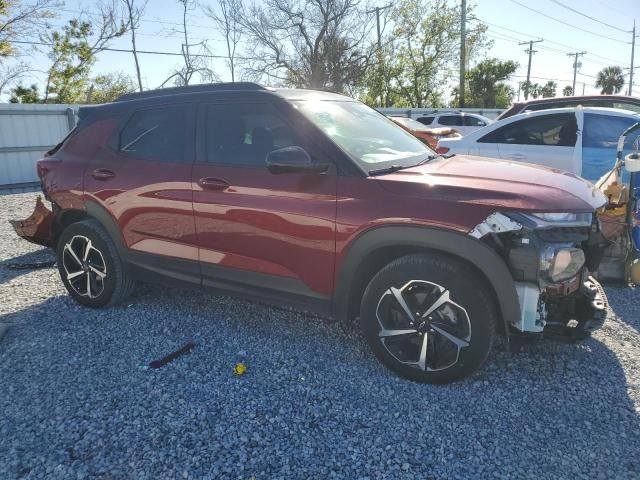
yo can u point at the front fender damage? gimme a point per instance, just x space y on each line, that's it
38 227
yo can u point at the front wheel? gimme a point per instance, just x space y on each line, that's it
90 267
429 318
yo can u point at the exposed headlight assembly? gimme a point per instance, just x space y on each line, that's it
557 217
561 263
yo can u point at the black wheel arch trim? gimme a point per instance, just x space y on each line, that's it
486 260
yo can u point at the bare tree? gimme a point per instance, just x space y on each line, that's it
310 43
134 12
228 19
12 73
20 21
74 50
194 55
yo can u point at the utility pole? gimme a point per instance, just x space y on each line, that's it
463 49
633 48
377 10
576 65
530 51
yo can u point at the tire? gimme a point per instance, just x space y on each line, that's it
109 283
441 294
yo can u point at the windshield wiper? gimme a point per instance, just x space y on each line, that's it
391 169
395 168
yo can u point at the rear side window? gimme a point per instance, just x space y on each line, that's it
159 134
426 120
602 131
450 120
555 130
627 106
244 134
473 121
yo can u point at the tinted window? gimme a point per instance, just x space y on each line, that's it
627 106
473 121
244 134
602 131
426 120
558 130
157 134
569 103
450 120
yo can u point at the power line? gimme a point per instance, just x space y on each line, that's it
558 2
149 52
567 24
571 48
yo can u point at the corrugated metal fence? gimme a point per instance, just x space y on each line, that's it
26 132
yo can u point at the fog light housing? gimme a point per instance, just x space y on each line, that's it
561 263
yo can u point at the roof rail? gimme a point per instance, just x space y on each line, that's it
205 87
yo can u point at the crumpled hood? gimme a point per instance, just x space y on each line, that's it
506 185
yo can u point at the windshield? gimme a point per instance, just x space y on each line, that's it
368 137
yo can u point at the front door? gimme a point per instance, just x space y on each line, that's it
257 230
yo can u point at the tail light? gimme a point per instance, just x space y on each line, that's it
442 150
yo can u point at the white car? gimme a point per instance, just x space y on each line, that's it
463 122
580 140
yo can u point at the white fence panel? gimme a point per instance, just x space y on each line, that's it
418 112
26 132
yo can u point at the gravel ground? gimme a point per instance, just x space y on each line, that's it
78 401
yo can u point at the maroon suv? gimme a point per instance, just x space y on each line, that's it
314 200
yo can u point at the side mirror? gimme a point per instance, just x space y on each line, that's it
632 162
293 159
482 124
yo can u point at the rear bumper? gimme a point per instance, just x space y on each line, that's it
38 227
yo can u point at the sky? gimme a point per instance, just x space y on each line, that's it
563 31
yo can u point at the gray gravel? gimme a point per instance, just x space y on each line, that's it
78 401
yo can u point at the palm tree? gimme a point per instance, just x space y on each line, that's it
610 80
567 91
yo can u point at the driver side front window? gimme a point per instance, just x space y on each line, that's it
244 134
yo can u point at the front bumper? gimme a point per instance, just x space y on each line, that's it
577 315
38 227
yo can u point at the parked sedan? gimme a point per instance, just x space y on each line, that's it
463 122
428 136
579 140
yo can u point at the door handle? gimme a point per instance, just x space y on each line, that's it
210 183
102 174
517 156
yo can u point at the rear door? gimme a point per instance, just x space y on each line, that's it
143 181
548 140
257 231
599 143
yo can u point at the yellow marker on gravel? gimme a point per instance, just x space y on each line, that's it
240 369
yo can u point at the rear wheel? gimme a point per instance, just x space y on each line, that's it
90 266
428 318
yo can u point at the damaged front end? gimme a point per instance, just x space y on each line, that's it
38 227
551 257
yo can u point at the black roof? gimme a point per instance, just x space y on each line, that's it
201 88
194 92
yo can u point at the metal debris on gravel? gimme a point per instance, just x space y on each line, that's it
78 400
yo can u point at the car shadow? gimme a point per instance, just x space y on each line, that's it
572 401
13 267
